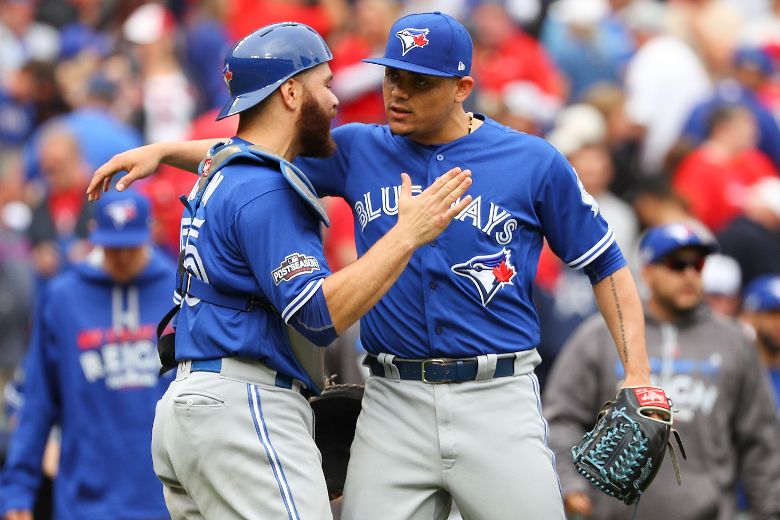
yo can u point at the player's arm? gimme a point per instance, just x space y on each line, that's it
352 291
619 303
23 469
142 162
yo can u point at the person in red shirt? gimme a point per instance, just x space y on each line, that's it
714 178
324 16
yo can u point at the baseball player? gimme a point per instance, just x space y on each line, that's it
232 436
714 377
93 369
452 410
761 309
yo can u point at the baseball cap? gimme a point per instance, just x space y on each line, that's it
660 241
755 58
763 294
121 220
428 43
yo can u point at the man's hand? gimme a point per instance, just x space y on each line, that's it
139 163
424 217
18 515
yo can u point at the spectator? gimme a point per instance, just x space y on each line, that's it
507 83
168 98
762 312
722 284
753 239
99 133
207 44
22 39
752 73
59 219
358 85
578 36
712 373
656 204
664 81
93 369
715 177
324 16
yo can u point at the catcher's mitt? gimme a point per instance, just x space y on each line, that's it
336 411
623 452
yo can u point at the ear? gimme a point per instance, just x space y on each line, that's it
463 88
291 93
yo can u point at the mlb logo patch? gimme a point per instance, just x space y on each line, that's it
412 38
121 212
294 265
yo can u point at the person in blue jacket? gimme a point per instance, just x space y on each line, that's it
93 370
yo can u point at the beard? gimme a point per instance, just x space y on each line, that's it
314 129
769 344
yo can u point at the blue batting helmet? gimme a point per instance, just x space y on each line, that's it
262 61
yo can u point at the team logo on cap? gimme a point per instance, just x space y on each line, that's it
227 75
488 272
411 38
121 212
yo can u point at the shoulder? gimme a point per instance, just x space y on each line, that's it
516 142
344 135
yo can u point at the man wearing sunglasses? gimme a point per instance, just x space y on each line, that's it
710 369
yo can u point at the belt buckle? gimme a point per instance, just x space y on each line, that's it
434 361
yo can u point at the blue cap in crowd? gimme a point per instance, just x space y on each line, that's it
121 220
755 58
428 43
763 294
660 241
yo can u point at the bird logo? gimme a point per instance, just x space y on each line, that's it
121 212
227 75
411 38
489 273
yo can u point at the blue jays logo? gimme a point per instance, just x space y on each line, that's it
227 75
488 272
411 38
121 212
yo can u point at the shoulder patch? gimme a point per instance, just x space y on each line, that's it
294 265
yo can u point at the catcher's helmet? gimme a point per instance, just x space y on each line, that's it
268 57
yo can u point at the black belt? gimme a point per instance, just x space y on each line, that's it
439 370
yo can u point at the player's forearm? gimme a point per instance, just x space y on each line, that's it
619 302
353 290
185 155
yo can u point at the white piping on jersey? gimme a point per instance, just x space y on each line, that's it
595 251
300 300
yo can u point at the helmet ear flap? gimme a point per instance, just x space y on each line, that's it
262 61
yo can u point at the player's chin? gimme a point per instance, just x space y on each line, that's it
399 127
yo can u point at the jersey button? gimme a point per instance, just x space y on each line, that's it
433 285
433 243
440 157
438 330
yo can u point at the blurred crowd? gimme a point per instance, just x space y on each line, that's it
669 112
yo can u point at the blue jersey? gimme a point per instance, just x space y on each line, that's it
469 291
93 368
251 234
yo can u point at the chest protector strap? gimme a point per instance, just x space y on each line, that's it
310 357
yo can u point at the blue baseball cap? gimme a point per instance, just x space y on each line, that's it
755 58
660 241
121 220
428 43
763 294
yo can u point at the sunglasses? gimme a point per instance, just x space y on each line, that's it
678 266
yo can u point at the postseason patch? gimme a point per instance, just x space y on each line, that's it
294 265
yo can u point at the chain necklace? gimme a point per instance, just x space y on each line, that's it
471 121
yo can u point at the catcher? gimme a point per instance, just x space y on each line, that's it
722 402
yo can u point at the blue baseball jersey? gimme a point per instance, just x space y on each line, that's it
251 234
469 291
93 369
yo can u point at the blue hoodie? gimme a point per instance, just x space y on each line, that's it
93 369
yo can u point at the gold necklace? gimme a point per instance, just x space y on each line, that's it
471 121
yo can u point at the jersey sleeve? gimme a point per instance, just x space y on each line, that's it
40 410
328 175
280 239
571 219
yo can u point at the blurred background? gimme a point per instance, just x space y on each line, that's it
668 111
